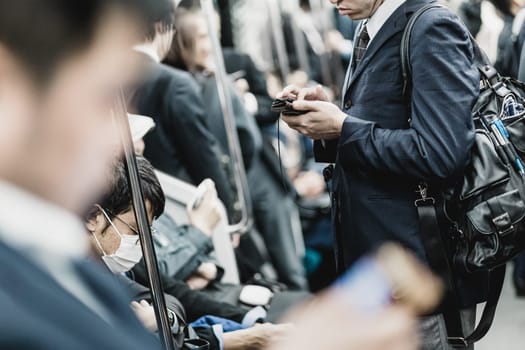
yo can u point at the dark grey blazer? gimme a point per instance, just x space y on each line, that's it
181 144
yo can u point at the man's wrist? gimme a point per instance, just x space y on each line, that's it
339 122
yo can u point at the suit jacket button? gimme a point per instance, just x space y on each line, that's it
348 104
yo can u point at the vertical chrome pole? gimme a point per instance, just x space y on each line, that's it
146 239
223 88
278 38
299 41
317 7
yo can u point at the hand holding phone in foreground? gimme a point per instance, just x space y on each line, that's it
390 276
325 324
374 306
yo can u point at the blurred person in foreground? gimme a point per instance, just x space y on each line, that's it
372 306
324 324
61 64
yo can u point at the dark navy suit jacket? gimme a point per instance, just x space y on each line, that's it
181 144
380 156
37 313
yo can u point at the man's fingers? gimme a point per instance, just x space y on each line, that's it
304 94
292 122
211 193
208 183
316 93
144 303
135 305
303 105
291 91
319 90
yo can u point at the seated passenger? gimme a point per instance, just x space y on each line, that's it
113 230
184 253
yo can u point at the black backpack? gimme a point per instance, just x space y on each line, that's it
485 209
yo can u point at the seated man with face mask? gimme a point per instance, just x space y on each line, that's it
114 237
183 251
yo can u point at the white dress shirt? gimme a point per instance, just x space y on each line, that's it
48 235
373 26
148 50
382 14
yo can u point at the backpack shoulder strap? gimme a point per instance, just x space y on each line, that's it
405 46
480 57
517 23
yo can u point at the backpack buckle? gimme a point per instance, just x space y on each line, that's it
489 73
503 224
457 342
423 193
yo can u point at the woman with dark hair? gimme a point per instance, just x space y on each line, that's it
191 51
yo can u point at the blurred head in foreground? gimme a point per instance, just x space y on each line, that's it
61 63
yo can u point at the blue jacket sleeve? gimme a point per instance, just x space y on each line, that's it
445 85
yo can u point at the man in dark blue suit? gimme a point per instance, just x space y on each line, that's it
61 62
383 145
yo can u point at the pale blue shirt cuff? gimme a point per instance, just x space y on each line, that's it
253 315
218 332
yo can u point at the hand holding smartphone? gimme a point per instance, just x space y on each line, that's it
390 276
285 107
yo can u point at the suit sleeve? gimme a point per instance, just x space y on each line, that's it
521 70
258 87
199 246
325 151
195 303
198 304
195 141
208 335
245 132
445 84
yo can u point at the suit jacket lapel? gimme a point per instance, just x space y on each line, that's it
349 68
395 23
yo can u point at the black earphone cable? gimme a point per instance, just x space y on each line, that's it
285 186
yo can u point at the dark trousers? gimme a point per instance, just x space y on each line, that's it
433 333
271 207
519 266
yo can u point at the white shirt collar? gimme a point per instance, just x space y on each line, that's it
39 228
148 50
382 14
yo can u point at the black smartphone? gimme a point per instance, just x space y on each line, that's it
285 107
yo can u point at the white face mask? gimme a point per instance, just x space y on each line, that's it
128 253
